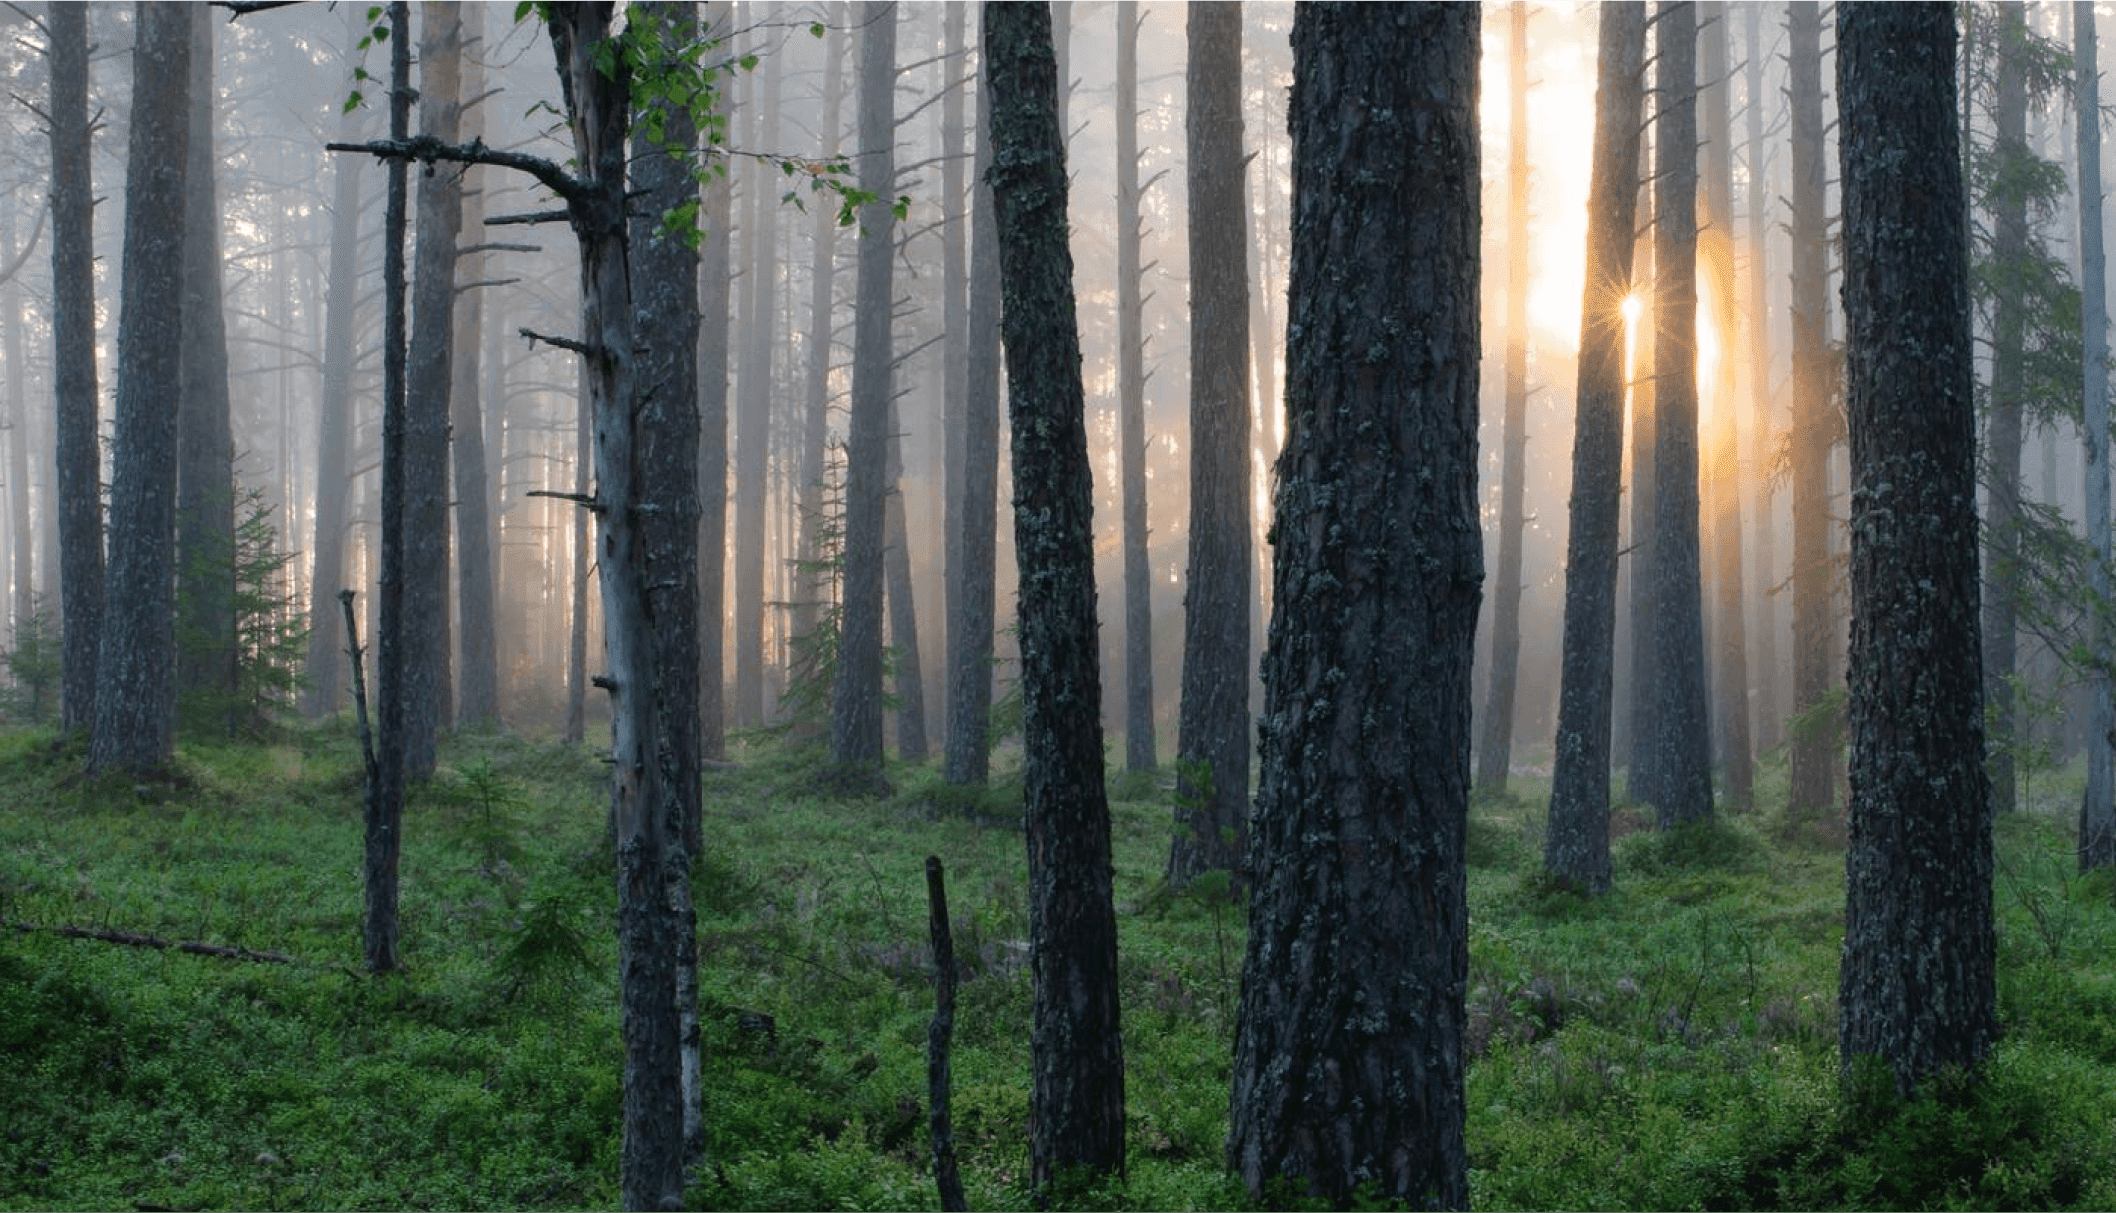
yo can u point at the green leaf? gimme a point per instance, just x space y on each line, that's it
352 101
816 30
748 62
381 33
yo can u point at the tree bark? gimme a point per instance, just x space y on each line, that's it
856 696
205 456
1809 790
1726 485
968 760
426 386
1076 1102
753 402
1213 722
1682 720
1348 1061
2002 434
2097 821
1770 714
955 370
73 324
903 607
1131 388
135 720
714 281
1918 985
1576 842
1495 745
478 666
813 582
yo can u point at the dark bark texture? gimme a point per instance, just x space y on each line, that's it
205 443
1213 722
1682 722
1808 789
1918 984
1076 1105
1576 842
428 375
1495 741
73 324
856 696
713 291
135 718
1348 1063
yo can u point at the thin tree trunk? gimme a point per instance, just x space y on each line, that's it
2097 820
1809 791
955 352
970 629
73 325
205 474
1131 399
1495 745
1730 638
856 696
1213 723
576 727
713 291
753 405
813 582
2003 425
1576 846
1770 713
1076 1099
903 608
478 689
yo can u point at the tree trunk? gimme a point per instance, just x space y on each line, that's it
23 547
1348 1056
666 454
1770 713
326 654
1682 721
1576 843
576 727
2097 820
1809 791
426 386
135 720
1730 633
385 802
1640 753
1918 985
73 323
1495 744
856 696
1131 391
1076 1102
970 627
205 456
2002 435
478 681
1213 725
903 609
813 582
714 279
753 404
955 353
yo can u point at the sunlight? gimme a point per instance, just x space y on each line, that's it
1716 322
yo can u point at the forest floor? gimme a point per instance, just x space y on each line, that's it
1670 1045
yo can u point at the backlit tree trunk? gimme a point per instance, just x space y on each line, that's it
328 575
1131 390
478 682
1720 441
1576 843
1809 793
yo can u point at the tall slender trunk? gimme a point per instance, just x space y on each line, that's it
576 726
1727 485
73 325
205 506
903 608
714 280
1131 405
812 582
2003 424
753 404
1643 686
2097 818
1576 845
21 518
1809 791
478 683
1770 712
856 696
1495 745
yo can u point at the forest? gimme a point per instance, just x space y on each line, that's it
1098 604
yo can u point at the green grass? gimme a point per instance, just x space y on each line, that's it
1672 1044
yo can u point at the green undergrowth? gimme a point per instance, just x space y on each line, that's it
1671 1044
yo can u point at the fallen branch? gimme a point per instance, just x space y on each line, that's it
136 940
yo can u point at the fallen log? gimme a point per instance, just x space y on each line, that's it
136 940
